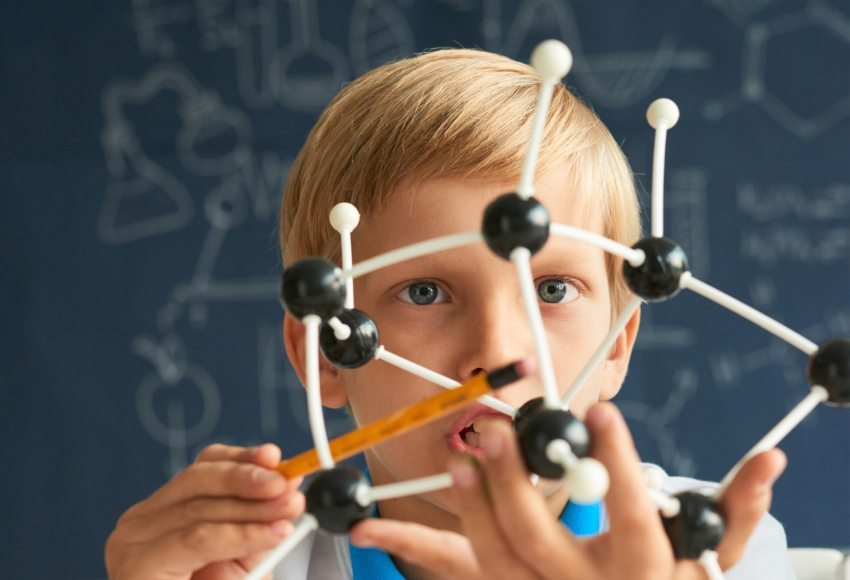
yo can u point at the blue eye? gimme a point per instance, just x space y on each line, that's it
422 294
556 291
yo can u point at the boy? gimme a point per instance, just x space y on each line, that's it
420 147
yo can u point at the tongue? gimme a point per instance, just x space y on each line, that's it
472 436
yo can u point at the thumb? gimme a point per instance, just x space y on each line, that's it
446 554
746 501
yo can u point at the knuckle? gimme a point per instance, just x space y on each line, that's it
241 476
207 452
293 505
188 479
254 534
195 510
187 473
276 509
119 555
112 549
131 512
199 538
210 451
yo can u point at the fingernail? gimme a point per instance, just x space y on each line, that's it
265 476
464 474
598 417
282 527
492 443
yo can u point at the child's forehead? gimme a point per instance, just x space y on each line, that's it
445 206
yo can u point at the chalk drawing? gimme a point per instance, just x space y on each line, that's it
658 421
309 71
756 89
378 33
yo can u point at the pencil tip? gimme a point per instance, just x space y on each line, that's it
526 367
512 372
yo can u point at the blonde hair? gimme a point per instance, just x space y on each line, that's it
449 113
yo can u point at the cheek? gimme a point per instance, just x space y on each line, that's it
573 347
374 391
585 399
379 389
418 453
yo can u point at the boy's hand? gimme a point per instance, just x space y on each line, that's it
511 534
215 519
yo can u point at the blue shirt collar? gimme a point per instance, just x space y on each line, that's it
371 563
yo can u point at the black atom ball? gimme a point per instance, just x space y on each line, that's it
542 427
331 499
698 526
312 286
829 367
356 350
657 278
529 408
512 222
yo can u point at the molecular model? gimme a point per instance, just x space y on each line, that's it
553 442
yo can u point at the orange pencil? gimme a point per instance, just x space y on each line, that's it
409 418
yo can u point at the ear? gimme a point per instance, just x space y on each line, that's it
617 363
330 378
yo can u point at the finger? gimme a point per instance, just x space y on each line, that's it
248 563
267 455
220 479
688 570
196 546
631 515
521 511
746 501
169 518
232 569
494 554
446 554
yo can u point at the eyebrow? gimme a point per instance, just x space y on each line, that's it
567 254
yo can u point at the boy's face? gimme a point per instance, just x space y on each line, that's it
460 312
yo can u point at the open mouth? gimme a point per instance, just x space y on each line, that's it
465 434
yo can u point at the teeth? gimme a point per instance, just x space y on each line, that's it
473 439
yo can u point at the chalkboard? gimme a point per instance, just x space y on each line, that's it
143 149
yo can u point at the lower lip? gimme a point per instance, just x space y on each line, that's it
458 445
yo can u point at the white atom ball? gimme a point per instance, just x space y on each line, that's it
662 111
587 481
344 216
653 476
552 60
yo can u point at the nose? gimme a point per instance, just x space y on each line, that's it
495 333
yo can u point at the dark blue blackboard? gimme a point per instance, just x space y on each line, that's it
143 145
